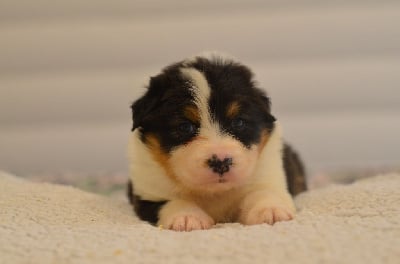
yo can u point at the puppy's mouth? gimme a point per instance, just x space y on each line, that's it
222 180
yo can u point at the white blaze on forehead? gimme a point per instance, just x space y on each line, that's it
201 92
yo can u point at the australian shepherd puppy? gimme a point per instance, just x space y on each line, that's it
205 149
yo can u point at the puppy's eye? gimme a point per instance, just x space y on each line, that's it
187 128
238 124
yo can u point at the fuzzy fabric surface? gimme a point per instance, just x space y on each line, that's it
49 223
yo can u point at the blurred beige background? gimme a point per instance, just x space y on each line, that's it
70 69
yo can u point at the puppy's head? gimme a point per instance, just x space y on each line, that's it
205 123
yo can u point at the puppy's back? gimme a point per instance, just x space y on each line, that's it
295 172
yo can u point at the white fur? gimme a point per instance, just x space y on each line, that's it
189 164
201 92
150 181
269 201
181 215
269 171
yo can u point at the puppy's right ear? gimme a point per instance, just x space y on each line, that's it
142 108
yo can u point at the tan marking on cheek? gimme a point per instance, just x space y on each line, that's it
233 110
192 113
159 155
201 138
264 139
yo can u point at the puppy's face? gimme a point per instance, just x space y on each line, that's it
205 123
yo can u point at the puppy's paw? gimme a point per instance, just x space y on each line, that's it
266 207
183 216
189 222
268 215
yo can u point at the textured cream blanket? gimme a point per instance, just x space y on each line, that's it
46 223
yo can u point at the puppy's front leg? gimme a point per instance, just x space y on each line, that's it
181 215
265 206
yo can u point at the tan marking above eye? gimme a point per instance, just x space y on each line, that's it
192 113
233 109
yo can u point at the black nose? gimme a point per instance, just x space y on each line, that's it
219 166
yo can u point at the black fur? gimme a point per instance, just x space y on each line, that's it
159 111
231 81
145 210
295 172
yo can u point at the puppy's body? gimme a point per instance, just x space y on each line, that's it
205 149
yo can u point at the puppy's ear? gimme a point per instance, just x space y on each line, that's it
269 118
142 108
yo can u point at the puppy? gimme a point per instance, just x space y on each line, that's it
205 149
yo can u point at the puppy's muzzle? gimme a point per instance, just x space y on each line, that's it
218 165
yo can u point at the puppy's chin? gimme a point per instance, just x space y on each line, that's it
212 185
192 168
